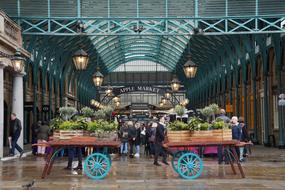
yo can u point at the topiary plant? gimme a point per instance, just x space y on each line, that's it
87 112
179 110
67 112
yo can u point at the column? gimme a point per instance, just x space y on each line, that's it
18 102
255 112
2 65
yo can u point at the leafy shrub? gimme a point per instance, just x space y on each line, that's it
179 110
204 126
178 126
87 112
55 123
73 125
218 125
101 125
194 123
67 112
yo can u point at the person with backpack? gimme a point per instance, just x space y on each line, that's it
124 136
160 135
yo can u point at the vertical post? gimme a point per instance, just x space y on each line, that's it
256 14
227 14
18 103
2 65
255 111
78 8
266 111
49 15
196 11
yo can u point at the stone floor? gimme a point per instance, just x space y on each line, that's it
265 169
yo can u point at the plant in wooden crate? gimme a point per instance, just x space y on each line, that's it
215 110
67 112
87 112
194 123
55 123
179 110
178 131
207 112
103 129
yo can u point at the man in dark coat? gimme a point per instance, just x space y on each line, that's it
159 140
14 134
132 133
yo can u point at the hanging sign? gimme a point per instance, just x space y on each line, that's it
129 89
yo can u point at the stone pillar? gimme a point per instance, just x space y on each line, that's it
2 65
18 102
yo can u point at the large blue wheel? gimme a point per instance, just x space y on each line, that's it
190 166
175 158
97 166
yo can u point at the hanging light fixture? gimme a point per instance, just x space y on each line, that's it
117 104
167 95
116 99
80 57
18 61
92 102
190 68
175 84
98 78
163 100
161 104
109 91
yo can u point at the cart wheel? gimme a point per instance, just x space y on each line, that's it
97 166
176 156
190 166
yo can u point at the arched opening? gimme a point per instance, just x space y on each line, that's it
273 94
260 99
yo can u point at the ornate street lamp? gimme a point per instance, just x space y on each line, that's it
80 59
190 68
98 78
175 84
18 61
116 99
109 91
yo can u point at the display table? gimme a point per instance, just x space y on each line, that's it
189 164
96 165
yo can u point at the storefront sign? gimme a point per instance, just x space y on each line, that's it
129 89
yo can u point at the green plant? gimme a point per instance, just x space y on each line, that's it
215 109
100 114
194 123
178 126
204 126
87 112
207 112
67 112
179 110
218 125
101 125
55 123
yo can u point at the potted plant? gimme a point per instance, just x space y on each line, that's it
87 112
67 112
179 110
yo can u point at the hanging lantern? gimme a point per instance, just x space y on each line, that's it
167 95
117 104
80 59
92 102
175 84
109 91
116 99
98 78
190 69
163 100
97 104
161 104
186 101
18 61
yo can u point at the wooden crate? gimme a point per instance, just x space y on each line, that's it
68 134
212 135
178 136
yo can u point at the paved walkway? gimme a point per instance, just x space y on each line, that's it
265 169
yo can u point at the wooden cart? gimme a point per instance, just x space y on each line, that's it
96 165
189 165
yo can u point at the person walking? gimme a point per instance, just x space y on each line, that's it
243 138
138 139
159 140
14 134
43 133
132 133
124 137
35 126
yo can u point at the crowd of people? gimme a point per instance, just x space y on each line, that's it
150 136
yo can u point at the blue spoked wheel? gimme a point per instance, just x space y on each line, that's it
176 156
97 166
190 166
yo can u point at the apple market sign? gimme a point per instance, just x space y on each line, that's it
129 89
